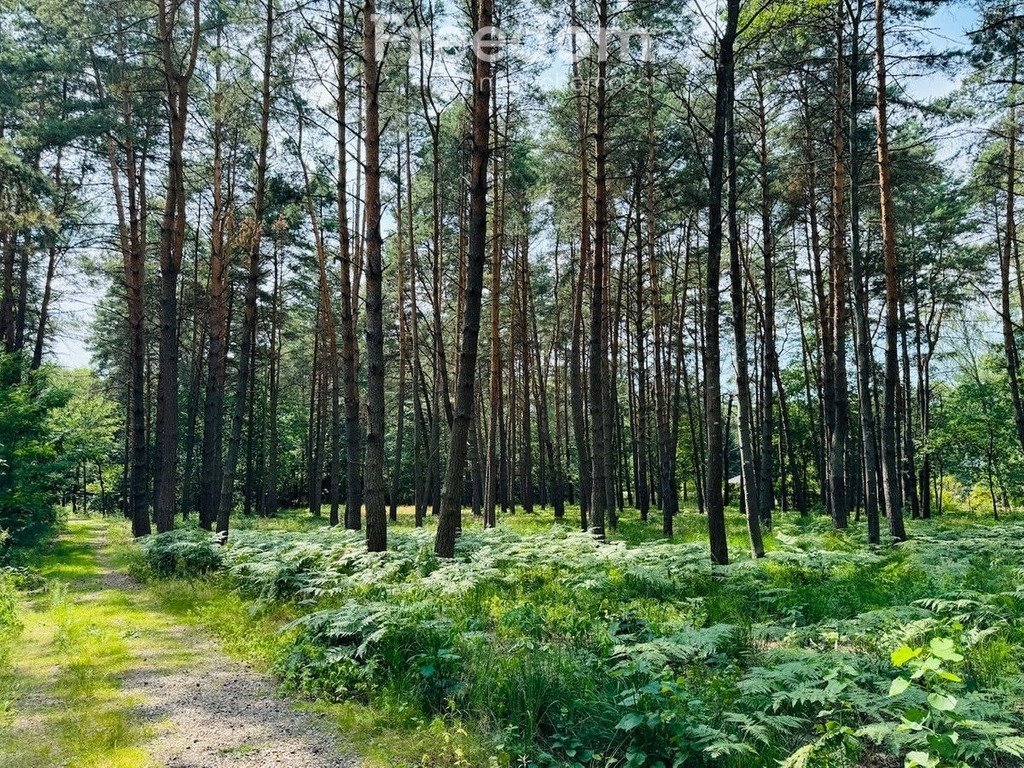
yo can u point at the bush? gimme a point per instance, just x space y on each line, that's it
29 469
8 604
53 422
185 552
9 622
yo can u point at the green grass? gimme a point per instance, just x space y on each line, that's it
63 679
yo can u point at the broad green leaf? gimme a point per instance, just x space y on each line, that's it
903 654
944 649
942 702
942 744
915 715
921 760
629 721
899 685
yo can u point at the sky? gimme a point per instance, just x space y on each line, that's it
74 312
77 297
948 28
952 21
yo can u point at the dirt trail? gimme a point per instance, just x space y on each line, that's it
218 713
200 709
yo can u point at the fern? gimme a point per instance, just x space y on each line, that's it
645 655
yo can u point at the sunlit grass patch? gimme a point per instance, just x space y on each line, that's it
63 684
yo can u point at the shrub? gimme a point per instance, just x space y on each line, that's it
184 552
9 622
53 422
29 468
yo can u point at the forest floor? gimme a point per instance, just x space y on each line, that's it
103 676
536 646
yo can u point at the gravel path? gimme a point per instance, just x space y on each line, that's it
207 711
216 714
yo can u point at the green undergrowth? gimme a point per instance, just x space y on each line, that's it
556 650
689 526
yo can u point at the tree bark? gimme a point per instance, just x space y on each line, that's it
451 494
131 228
44 307
245 353
862 338
714 503
600 448
376 516
838 495
177 76
1006 257
576 363
270 500
769 352
349 338
211 472
890 470
494 385
402 344
748 458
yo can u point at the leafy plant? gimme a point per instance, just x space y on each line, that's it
936 724
184 552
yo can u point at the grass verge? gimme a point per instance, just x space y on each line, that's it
61 683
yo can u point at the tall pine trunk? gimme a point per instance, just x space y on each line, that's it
748 457
349 343
838 495
1006 257
248 335
376 515
451 493
600 447
270 502
211 472
177 76
862 337
713 497
890 469
769 352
